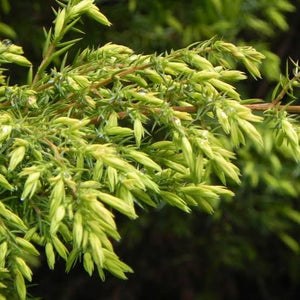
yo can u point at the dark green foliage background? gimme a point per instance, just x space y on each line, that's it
233 254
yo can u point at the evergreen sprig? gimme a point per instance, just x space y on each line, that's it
114 130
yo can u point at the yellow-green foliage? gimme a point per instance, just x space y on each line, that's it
113 130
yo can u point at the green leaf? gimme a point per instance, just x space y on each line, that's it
5 184
290 242
7 31
175 200
118 204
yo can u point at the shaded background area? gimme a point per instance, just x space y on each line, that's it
175 256
235 253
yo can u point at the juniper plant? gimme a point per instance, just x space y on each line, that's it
112 131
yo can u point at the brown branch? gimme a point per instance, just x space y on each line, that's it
93 87
122 73
266 106
55 150
5 104
194 109
255 107
134 69
43 87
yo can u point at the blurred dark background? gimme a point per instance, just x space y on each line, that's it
237 253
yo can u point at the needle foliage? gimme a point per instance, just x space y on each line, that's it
109 131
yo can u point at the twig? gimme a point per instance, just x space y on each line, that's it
122 73
266 106
285 89
55 150
194 109
45 62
